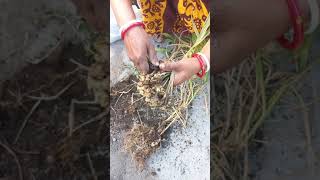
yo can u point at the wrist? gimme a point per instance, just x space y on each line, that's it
201 63
196 65
297 18
130 25
134 31
206 60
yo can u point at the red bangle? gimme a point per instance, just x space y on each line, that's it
123 33
200 60
296 21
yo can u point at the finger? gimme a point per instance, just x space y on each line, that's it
143 66
153 54
179 78
169 66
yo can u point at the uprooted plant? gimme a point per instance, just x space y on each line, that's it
158 92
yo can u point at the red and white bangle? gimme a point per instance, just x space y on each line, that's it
314 16
204 57
201 62
298 31
126 27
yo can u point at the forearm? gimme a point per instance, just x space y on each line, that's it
122 10
235 41
206 50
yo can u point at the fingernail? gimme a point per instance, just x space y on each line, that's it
161 66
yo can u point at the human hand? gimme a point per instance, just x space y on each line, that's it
243 26
183 70
140 49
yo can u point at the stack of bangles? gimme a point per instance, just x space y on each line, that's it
126 27
297 23
203 60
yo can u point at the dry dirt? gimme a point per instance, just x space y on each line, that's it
184 153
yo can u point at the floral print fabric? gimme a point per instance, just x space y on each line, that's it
173 16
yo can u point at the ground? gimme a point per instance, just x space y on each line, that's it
41 30
48 132
291 150
184 154
43 44
30 30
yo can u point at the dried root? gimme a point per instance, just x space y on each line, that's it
152 88
98 83
98 76
141 141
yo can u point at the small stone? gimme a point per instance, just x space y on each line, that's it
114 139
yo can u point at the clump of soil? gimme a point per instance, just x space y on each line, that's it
145 122
131 114
141 141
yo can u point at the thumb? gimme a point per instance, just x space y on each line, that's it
179 78
153 54
169 66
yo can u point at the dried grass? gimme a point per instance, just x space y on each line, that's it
141 141
244 97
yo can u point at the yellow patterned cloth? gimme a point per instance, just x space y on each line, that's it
173 15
